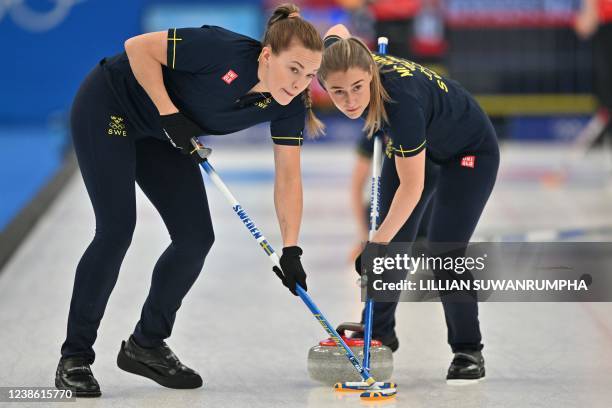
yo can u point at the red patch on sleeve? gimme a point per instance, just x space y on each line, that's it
468 161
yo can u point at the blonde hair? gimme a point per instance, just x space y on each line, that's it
284 27
353 53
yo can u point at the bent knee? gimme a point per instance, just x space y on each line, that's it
120 234
197 244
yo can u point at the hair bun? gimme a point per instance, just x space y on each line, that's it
284 11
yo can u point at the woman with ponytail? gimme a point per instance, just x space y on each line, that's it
133 120
440 148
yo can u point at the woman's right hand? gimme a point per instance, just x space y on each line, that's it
292 271
180 130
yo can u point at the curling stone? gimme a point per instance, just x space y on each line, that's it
329 365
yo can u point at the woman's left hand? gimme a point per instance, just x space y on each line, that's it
292 272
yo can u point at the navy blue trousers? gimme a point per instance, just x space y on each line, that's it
112 158
452 201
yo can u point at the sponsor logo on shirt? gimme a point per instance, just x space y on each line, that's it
229 77
468 161
116 127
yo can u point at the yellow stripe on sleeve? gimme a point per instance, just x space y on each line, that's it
299 139
174 39
402 151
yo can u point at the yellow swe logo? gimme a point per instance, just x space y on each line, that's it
264 103
389 148
116 127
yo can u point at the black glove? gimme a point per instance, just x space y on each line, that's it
373 249
180 130
292 272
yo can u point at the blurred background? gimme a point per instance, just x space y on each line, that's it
540 68
525 61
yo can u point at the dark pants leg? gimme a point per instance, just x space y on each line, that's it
173 183
458 196
459 200
383 324
111 158
107 164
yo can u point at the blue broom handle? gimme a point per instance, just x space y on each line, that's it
374 215
273 257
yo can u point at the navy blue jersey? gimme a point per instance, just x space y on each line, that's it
365 146
428 111
209 72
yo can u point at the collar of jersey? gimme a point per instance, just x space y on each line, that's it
250 98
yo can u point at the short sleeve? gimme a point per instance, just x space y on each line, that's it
191 49
288 128
365 146
407 126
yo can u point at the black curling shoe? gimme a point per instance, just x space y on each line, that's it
159 364
467 367
390 340
74 373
